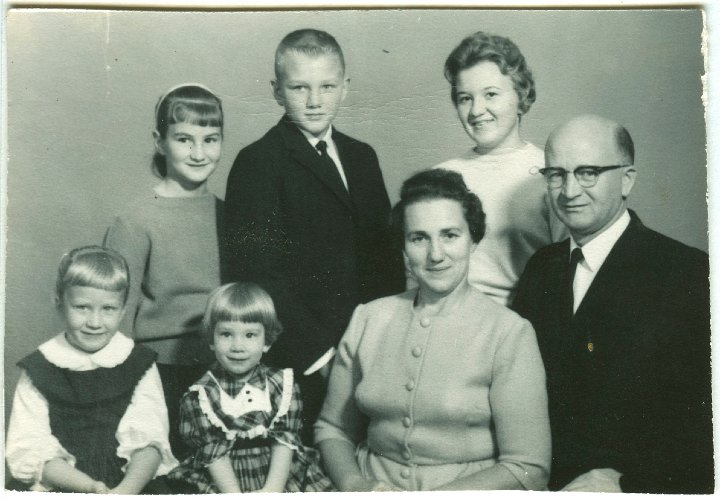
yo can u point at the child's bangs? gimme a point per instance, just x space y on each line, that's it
245 302
98 274
247 313
196 112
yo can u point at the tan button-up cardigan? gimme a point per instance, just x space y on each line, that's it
465 386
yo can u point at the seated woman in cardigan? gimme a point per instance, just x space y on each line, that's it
439 387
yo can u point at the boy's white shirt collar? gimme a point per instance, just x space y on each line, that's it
596 250
327 137
331 150
59 352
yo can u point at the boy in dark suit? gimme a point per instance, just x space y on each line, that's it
307 216
622 315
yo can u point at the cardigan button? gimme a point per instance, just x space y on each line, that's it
407 422
405 473
410 385
425 322
417 351
406 455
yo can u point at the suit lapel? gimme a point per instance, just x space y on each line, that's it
556 299
612 279
351 166
303 153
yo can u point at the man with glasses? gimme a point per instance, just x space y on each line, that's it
623 323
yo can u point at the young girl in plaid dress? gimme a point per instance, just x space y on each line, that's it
242 419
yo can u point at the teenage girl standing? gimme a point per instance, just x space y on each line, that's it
492 88
169 237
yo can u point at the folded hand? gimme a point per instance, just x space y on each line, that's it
596 480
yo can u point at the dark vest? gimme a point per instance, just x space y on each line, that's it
86 408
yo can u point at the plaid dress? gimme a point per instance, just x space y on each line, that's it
221 416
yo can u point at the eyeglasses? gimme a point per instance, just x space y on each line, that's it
586 175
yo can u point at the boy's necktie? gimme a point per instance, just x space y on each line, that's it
325 157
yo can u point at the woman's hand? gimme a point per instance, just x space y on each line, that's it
342 467
99 487
383 486
596 480
359 483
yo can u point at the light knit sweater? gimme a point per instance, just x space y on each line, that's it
171 247
519 219
436 395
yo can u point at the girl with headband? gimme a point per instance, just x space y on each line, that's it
169 237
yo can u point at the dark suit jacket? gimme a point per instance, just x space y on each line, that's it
292 227
639 401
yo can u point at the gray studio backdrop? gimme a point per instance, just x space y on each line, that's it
82 86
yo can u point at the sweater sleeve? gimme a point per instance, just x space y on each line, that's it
340 418
30 443
145 422
519 407
134 245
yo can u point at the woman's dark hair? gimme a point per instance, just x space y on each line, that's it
191 103
434 184
480 47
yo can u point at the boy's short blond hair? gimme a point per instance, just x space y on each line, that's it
310 42
246 302
92 266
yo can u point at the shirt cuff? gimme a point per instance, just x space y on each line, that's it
324 359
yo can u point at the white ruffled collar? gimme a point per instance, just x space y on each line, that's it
59 352
258 430
249 399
